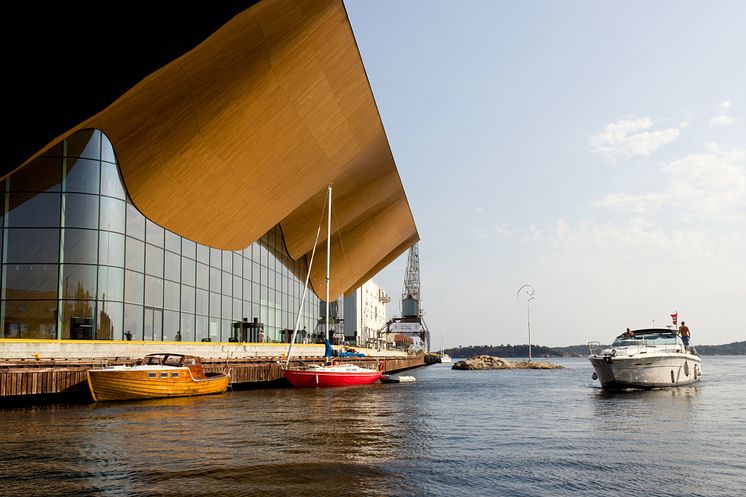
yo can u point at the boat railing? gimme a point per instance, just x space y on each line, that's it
594 347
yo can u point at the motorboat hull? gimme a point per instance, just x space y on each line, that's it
332 376
108 384
647 371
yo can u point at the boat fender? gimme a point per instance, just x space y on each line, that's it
607 359
686 368
594 376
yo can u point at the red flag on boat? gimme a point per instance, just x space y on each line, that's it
675 317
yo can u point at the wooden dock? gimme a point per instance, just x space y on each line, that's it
28 379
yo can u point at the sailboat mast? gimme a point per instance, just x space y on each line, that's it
328 252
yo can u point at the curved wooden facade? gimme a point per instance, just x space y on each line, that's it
246 130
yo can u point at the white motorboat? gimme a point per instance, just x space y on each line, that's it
647 358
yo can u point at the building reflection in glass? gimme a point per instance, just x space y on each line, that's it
79 261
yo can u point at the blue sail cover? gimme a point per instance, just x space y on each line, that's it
330 352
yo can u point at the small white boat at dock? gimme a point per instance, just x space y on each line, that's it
393 378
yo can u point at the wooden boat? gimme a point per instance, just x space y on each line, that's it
159 375
331 373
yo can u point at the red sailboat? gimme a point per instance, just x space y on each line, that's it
325 375
331 373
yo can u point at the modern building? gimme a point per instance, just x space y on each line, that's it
80 261
189 201
365 314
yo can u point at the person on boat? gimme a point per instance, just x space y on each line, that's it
628 334
261 336
684 332
178 336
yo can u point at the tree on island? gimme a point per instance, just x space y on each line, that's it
735 348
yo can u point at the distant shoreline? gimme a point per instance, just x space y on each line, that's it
735 348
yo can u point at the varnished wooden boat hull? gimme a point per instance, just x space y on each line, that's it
128 385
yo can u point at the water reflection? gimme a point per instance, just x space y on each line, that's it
644 409
450 433
281 442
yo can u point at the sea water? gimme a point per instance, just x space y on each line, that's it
451 433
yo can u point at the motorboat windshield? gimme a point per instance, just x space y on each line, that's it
649 339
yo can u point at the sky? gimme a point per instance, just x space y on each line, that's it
595 151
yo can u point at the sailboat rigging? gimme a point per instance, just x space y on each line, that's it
330 373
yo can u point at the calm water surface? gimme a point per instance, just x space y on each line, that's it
452 433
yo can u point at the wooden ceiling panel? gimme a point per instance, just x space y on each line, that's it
388 259
358 249
246 130
369 184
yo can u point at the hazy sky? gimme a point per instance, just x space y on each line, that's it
594 150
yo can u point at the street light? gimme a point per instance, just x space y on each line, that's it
529 291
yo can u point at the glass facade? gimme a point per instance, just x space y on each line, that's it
79 261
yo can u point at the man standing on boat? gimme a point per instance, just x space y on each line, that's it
684 332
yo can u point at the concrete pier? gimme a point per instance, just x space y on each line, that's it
63 349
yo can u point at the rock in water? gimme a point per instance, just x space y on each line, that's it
535 365
492 362
482 362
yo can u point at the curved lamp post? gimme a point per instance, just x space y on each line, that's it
529 291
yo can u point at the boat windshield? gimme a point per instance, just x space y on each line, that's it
154 360
650 339
660 339
172 360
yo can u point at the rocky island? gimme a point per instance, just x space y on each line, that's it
492 362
